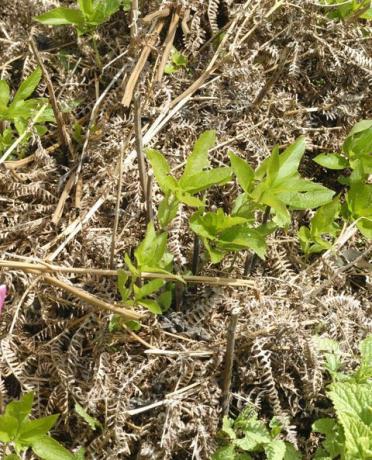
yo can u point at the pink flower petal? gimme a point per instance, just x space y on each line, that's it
2 296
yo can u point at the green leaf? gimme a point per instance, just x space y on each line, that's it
364 225
189 200
331 161
161 170
291 453
151 305
31 429
243 172
353 404
122 281
198 159
227 427
307 200
91 421
275 450
103 10
168 209
61 16
165 299
360 126
290 159
205 179
151 250
12 457
4 94
28 86
324 425
323 220
48 448
20 409
149 288
86 6
225 453
131 267
8 427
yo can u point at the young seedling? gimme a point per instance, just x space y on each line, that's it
20 434
247 434
356 155
276 187
196 178
178 61
88 15
151 256
21 109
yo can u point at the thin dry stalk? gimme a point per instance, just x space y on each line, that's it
229 361
117 205
139 146
168 46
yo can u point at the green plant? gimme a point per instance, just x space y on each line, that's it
178 61
196 178
342 10
349 435
21 109
20 433
221 233
355 156
86 18
277 184
151 256
247 434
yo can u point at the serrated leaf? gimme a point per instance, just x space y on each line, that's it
122 280
331 161
48 448
28 86
91 421
243 171
189 200
151 249
31 429
291 453
61 16
224 453
198 159
275 450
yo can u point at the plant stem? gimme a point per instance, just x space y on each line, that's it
96 53
195 256
250 262
229 361
149 210
139 146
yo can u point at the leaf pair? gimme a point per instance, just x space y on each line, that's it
16 428
222 233
178 61
195 178
88 15
276 183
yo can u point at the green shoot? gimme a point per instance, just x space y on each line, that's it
21 109
86 18
344 9
20 433
178 61
247 434
196 178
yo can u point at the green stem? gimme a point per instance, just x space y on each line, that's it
96 53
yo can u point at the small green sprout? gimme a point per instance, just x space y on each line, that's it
86 18
21 109
20 433
178 61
